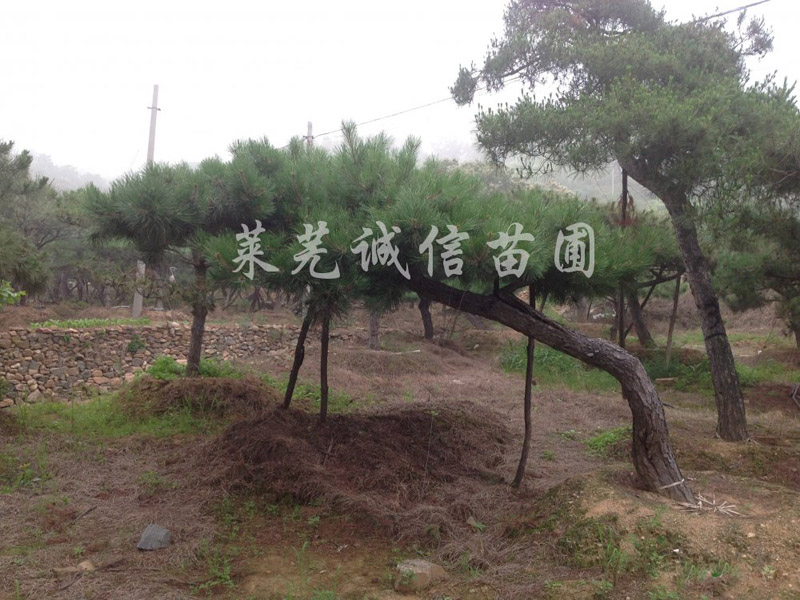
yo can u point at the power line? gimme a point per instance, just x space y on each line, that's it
733 10
513 79
402 112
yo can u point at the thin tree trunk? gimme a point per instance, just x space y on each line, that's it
731 419
427 320
526 444
582 308
323 369
642 332
299 355
653 457
672 318
796 329
199 313
623 223
374 330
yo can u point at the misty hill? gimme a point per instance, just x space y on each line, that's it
64 177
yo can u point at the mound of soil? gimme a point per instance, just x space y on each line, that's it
222 396
416 472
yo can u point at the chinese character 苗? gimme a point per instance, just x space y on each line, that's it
453 265
311 240
512 260
576 252
381 251
250 250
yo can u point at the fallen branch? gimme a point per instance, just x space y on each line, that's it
704 504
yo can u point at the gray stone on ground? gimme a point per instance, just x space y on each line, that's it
154 537
416 574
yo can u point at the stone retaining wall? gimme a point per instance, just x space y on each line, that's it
58 363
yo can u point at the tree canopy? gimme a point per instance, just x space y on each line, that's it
670 102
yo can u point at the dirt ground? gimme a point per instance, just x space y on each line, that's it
415 462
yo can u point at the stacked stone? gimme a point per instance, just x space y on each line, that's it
61 363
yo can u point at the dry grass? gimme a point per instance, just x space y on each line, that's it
222 396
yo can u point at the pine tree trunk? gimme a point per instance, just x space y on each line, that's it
672 318
427 320
323 369
639 324
582 310
199 313
527 408
299 355
653 457
374 330
796 329
731 419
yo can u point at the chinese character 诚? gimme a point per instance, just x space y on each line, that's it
310 240
250 250
381 251
512 260
453 265
576 252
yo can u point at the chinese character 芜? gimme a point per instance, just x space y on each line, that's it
380 251
512 260
250 250
576 253
453 265
311 240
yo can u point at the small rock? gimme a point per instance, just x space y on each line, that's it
8 402
751 534
154 537
34 396
415 574
86 565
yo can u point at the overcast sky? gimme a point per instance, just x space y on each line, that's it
78 76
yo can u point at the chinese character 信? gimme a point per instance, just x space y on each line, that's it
512 260
250 250
381 250
453 265
576 252
311 240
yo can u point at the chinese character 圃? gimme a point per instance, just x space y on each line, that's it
250 250
380 251
576 252
311 240
512 260
453 265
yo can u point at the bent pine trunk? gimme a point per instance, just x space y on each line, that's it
652 452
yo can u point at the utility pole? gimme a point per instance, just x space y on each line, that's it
151 145
309 137
151 148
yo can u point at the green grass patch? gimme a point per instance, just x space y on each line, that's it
105 418
18 471
307 395
767 370
87 323
555 368
608 442
167 368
